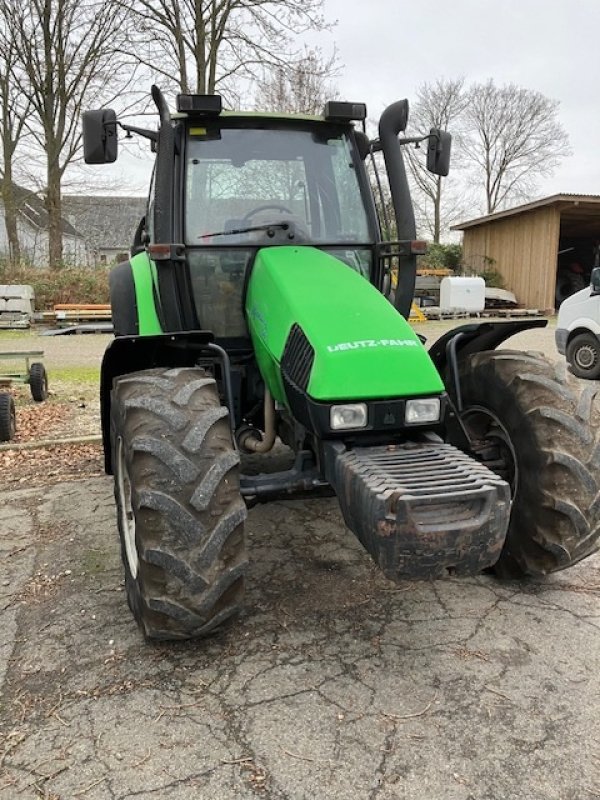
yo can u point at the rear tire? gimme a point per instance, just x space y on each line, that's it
583 355
539 428
38 382
8 417
180 513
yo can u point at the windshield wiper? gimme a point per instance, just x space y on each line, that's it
264 227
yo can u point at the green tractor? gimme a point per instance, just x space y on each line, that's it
254 308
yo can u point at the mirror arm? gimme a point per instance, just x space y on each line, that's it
144 132
129 129
376 143
418 139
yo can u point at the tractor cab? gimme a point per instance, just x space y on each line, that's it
255 182
227 184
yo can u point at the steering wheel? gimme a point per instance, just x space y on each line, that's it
267 207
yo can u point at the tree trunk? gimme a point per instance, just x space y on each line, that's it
53 207
200 49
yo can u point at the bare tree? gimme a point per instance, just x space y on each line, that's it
300 88
206 47
14 107
513 138
437 204
65 57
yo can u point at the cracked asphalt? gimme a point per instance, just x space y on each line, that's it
333 683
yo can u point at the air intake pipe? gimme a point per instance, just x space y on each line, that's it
393 121
163 199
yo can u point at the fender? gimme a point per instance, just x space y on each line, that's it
134 303
586 324
127 354
477 337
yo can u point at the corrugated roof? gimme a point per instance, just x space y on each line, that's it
105 222
571 199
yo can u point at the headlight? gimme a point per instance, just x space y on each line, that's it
423 409
346 417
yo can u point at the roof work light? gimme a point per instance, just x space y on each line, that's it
199 103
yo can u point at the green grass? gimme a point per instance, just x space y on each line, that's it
76 376
12 336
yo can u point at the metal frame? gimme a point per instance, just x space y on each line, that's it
8 378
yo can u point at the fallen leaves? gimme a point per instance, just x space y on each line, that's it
42 420
49 465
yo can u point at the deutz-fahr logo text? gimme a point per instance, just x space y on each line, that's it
362 343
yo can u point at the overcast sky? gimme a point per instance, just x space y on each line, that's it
389 47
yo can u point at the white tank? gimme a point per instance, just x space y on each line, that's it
464 294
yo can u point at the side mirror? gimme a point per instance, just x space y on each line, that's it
595 281
100 143
438 152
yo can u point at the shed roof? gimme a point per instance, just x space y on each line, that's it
105 222
573 204
31 206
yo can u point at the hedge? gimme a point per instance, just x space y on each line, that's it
64 285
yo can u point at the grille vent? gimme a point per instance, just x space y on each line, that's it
298 358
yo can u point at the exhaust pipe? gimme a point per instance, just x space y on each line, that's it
249 440
393 121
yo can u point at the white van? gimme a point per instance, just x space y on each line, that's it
578 329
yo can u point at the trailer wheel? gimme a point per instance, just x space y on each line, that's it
8 417
180 513
539 428
38 382
583 355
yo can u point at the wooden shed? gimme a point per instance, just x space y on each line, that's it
537 247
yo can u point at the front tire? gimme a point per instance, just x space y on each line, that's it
583 355
539 428
180 513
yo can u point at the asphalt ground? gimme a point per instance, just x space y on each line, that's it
333 683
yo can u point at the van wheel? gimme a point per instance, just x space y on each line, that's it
583 355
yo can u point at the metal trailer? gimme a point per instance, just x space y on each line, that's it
34 375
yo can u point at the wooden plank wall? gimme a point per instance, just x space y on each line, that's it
525 251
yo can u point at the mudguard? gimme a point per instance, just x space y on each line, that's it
476 337
132 298
134 353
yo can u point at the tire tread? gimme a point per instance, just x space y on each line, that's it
555 520
189 514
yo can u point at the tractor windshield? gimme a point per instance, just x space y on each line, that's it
241 179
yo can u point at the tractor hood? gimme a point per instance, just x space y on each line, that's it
334 335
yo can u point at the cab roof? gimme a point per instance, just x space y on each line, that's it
262 115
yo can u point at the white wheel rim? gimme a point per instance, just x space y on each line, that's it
126 509
586 357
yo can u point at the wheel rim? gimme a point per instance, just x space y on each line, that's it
125 506
13 423
492 444
586 357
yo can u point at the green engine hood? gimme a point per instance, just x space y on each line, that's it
363 348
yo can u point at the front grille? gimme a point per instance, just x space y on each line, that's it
420 470
298 358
